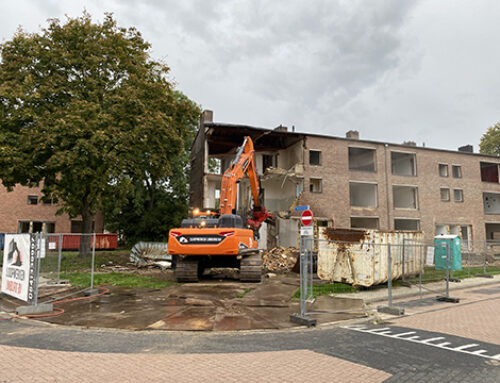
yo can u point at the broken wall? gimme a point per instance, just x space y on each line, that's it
288 232
198 162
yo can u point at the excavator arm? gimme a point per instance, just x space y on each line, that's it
243 163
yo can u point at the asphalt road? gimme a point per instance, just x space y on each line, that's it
408 358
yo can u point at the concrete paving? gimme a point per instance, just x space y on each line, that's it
476 316
283 366
212 305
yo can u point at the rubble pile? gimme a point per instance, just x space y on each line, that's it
280 259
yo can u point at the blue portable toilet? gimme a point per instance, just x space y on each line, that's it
451 244
2 240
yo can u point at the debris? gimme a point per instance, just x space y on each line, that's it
270 275
280 259
147 253
115 268
198 302
163 264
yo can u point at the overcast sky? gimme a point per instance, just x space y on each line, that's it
426 71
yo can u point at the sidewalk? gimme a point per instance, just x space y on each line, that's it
282 366
438 288
476 316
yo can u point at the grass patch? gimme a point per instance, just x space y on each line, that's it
241 295
432 275
72 262
328 288
82 279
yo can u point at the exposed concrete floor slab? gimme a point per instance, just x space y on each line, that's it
211 305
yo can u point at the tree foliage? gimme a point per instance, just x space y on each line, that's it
490 141
86 111
155 205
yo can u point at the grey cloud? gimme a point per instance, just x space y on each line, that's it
395 70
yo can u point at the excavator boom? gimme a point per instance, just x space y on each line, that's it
243 163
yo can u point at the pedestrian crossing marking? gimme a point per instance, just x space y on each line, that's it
392 333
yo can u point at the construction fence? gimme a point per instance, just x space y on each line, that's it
371 260
31 261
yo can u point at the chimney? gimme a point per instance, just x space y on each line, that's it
410 143
466 148
281 128
207 116
352 134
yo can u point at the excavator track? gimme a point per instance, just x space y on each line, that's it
187 269
251 268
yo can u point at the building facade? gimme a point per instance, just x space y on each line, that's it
23 211
353 183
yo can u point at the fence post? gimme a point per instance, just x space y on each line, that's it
390 309
421 269
59 259
389 274
38 257
485 274
92 290
305 254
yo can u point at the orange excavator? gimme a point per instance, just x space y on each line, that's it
222 239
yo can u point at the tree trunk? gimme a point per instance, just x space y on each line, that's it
86 238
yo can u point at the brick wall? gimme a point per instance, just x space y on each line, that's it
14 207
334 200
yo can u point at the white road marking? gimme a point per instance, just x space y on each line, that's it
387 332
442 344
378 329
466 346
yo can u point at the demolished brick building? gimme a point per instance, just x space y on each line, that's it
351 183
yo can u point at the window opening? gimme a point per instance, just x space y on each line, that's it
315 185
362 159
456 171
405 197
363 194
314 157
403 164
445 194
443 170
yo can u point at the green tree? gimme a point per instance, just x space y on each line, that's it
490 141
154 206
86 111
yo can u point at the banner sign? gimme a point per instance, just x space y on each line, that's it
429 259
19 267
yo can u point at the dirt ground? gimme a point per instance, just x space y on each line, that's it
217 303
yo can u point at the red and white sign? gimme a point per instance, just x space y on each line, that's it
18 266
307 217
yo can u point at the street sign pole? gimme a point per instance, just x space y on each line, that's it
306 268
